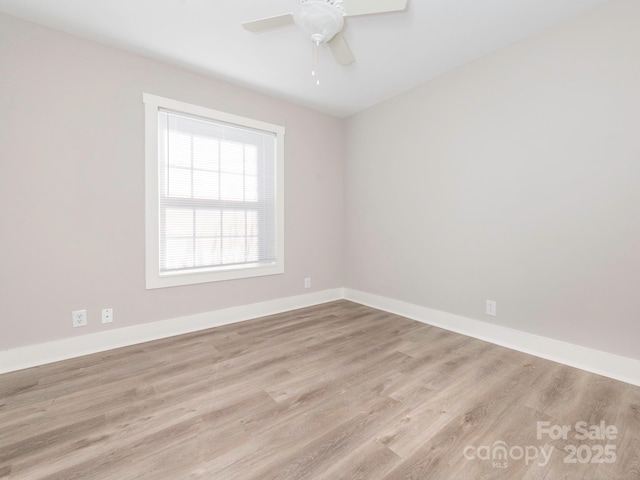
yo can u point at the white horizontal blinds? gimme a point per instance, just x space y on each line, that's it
217 194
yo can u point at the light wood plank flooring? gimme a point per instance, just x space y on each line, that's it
337 391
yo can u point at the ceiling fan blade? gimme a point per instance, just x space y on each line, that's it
340 50
366 7
269 22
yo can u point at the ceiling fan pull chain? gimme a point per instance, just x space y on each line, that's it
316 40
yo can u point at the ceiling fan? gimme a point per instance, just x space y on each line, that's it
323 20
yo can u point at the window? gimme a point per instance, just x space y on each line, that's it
214 195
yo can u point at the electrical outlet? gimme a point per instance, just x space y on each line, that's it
79 318
107 315
491 308
307 282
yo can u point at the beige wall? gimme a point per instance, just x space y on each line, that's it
72 187
515 178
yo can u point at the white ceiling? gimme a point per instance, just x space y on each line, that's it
394 52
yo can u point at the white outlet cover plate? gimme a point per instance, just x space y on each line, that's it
107 315
491 308
79 318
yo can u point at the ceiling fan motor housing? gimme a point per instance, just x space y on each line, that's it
320 19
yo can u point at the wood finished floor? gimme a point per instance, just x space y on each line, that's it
337 391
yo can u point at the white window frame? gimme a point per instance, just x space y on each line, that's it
152 210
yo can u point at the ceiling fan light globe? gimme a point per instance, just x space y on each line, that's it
320 17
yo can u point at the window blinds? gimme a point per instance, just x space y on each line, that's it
217 195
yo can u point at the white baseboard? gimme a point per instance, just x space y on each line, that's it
595 361
40 354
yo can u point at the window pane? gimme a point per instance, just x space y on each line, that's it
179 147
233 250
208 223
231 157
179 253
178 222
231 187
250 160
252 223
205 153
252 249
208 252
233 223
179 183
206 184
251 189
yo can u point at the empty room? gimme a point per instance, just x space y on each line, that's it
319 239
